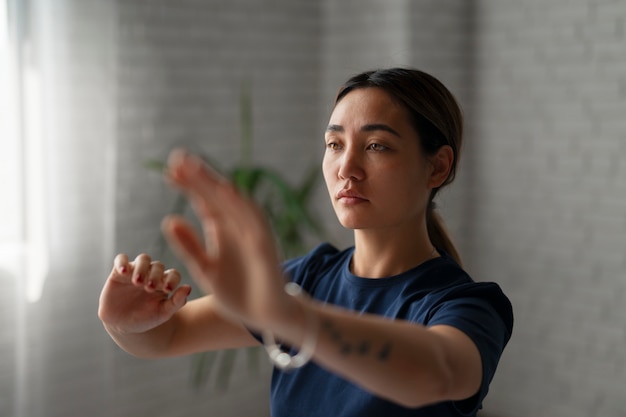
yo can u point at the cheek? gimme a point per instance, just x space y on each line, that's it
327 171
407 190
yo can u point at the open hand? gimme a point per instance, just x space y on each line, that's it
238 262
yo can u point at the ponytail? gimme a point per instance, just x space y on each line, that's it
439 235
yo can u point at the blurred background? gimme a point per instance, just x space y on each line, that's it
92 89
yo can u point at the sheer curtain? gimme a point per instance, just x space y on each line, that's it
57 217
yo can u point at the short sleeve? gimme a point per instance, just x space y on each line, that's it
485 314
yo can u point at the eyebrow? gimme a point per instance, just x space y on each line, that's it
366 128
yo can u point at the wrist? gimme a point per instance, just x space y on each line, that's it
299 328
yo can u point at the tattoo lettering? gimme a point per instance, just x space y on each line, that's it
385 352
361 348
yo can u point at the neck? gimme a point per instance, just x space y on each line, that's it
380 254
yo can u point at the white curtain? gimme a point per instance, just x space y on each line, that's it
56 223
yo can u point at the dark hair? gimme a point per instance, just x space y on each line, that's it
437 118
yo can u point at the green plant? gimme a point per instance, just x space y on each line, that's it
287 208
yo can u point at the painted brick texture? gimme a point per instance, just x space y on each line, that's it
549 200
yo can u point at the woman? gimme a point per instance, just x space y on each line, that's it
393 326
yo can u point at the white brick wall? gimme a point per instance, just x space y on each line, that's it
549 200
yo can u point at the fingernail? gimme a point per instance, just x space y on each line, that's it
139 278
168 288
151 284
123 269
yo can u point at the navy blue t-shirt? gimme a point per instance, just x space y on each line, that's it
435 292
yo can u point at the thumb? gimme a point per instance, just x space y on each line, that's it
177 300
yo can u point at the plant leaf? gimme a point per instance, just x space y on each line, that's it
202 364
155 165
225 369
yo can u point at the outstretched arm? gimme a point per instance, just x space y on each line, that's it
407 363
402 361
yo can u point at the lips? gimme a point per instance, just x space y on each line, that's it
350 196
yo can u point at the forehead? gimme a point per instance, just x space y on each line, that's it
369 106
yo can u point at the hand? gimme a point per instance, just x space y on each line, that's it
238 262
140 295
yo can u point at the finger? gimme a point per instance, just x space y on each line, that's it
187 173
121 268
214 199
209 217
177 300
206 189
154 280
171 279
184 168
187 246
141 266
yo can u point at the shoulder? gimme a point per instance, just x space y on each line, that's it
452 297
479 309
453 285
465 293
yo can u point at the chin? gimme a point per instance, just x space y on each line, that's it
353 224
354 220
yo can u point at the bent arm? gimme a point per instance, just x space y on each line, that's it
196 327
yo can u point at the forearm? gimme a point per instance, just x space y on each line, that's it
397 360
150 344
197 327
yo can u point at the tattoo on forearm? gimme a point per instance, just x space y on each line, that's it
384 353
360 348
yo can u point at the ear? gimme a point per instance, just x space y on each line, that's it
441 164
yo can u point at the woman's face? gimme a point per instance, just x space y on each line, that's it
375 170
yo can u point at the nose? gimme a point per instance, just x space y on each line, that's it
351 166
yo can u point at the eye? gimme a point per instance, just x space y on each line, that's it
377 147
333 146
